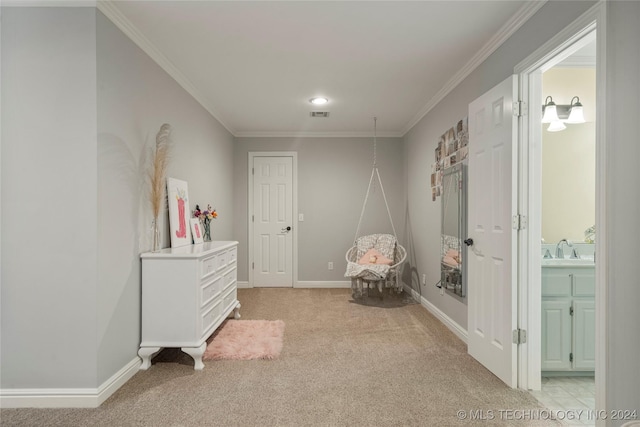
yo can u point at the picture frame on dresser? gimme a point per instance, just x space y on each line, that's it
196 231
179 213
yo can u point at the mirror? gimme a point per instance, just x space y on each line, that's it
454 220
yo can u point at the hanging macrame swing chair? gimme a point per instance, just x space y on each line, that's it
375 260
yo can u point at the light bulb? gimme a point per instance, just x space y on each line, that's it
318 101
556 126
549 110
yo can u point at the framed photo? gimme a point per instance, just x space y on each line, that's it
196 230
178 200
463 152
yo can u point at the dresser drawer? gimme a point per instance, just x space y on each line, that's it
208 266
210 290
229 279
209 316
233 255
223 260
230 298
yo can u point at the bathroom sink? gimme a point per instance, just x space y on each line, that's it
568 262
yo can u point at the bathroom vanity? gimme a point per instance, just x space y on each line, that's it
568 315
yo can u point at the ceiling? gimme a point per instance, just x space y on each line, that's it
255 65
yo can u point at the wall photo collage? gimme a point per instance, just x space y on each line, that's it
452 148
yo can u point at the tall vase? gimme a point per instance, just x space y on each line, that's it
207 230
155 235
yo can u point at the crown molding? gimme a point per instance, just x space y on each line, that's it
578 62
284 134
119 20
506 31
114 15
48 3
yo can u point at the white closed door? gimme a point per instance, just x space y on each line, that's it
492 295
273 222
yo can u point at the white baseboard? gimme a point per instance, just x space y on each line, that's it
68 397
440 315
308 284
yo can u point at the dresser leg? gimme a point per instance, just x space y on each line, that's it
146 354
236 312
196 353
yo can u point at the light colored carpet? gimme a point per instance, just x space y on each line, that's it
344 363
246 340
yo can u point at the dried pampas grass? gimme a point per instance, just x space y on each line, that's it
160 160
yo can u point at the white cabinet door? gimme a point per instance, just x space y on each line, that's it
556 335
584 335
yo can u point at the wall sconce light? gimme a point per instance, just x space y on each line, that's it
575 112
550 111
558 115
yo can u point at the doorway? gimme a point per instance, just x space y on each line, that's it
573 39
272 209
568 236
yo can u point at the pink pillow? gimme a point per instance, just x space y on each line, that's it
374 257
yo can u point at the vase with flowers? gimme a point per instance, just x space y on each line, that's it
205 217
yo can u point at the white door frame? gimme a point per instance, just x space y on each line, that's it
250 211
529 268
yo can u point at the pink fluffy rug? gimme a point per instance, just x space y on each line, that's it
246 340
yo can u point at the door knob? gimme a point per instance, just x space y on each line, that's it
285 229
468 242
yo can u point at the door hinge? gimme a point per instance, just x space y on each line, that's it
571 311
519 336
570 357
253 171
253 265
253 218
519 222
519 108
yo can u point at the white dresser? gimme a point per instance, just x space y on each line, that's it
187 292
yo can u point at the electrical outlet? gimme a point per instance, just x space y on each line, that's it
441 291
424 279
330 265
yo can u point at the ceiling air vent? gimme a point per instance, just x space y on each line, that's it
319 114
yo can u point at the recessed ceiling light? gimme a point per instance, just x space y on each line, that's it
318 100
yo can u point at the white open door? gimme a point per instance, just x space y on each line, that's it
272 221
492 287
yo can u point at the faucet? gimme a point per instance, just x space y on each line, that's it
560 252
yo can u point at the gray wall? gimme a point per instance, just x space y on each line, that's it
623 202
135 97
49 198
81 107
423 215
333 174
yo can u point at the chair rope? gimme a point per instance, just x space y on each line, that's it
375 173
